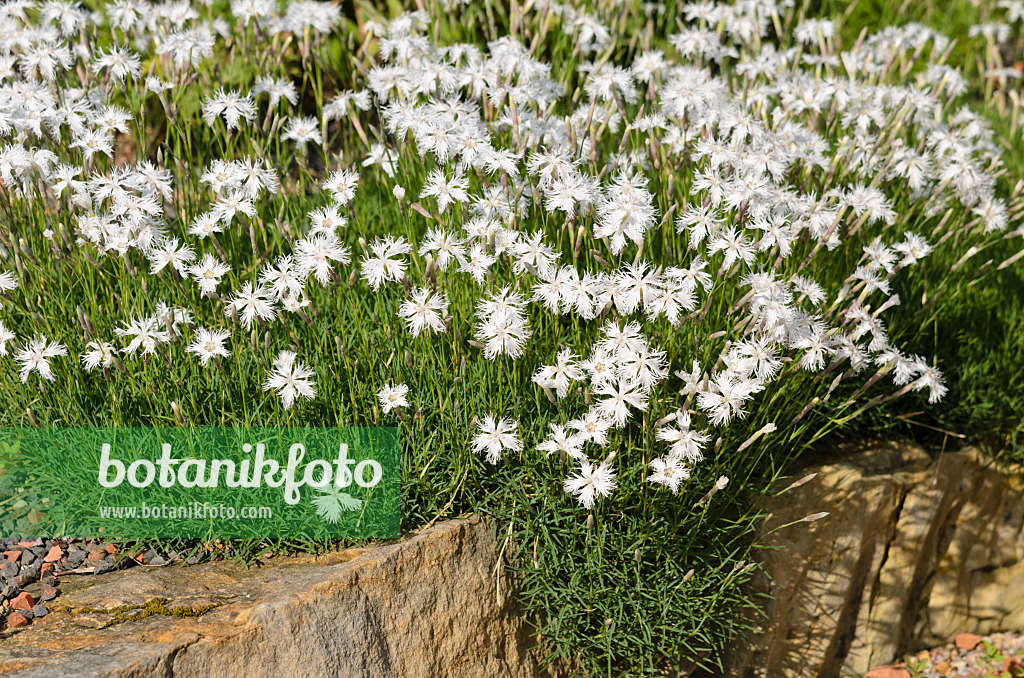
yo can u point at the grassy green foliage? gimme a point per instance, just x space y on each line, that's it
978 339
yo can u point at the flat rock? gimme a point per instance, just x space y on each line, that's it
438 603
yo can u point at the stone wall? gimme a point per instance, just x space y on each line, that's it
914 551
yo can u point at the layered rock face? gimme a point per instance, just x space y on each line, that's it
914 551
436 604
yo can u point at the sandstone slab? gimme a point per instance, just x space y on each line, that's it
436 604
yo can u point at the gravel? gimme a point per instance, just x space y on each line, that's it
28 562
968 656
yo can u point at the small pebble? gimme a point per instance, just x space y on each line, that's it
49 592
23 601
16 620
